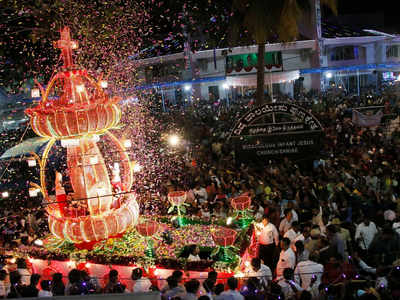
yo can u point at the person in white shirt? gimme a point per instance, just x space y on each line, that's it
293 232
45 291
194 253
287 258
140 283
365 233
306 270
262 272
289 287
290 206
232 293
305 236
268 239
286 222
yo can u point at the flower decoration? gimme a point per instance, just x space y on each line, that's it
241 203
242 206
177 200
224 238
147 229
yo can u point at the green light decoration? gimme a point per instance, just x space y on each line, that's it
243 214
150 252
147 229
177 200
225 254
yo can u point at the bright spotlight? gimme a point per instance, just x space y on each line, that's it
38 243
93 160
127 143
35 93
137 168
70 263
225 86
4 194
187 87
33 192
31 162
80 88
328 75
173 140
104 84
229 221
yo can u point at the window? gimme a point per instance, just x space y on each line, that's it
344 53
203 64
393 51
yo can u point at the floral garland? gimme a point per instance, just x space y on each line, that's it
168 244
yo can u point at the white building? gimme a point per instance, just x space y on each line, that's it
351 60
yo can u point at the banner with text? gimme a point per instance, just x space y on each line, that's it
255 139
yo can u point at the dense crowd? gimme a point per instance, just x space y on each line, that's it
326 229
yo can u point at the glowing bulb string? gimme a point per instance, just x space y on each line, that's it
83 199
27 157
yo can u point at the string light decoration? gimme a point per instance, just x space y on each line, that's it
76 110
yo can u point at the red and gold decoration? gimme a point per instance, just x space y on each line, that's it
225 239
242 206
177 200
76 110
147 229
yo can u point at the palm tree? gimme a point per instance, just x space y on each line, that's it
270 21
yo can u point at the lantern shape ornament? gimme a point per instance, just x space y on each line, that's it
76 110
242 206
147 229
177 200
224 238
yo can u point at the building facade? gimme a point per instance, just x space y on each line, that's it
351 63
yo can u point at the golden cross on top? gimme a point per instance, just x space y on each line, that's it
66 45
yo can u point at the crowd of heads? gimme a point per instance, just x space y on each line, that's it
331 201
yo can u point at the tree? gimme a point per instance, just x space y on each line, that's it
269 21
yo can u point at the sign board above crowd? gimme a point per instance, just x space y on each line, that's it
276 130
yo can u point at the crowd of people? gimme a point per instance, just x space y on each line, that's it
326 229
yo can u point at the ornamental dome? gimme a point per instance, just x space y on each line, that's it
73 104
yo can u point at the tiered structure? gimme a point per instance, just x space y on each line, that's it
75 109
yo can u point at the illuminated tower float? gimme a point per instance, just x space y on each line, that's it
75 110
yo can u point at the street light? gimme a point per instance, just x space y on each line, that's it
187 87
328 75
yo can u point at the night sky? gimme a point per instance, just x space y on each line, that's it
391 20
